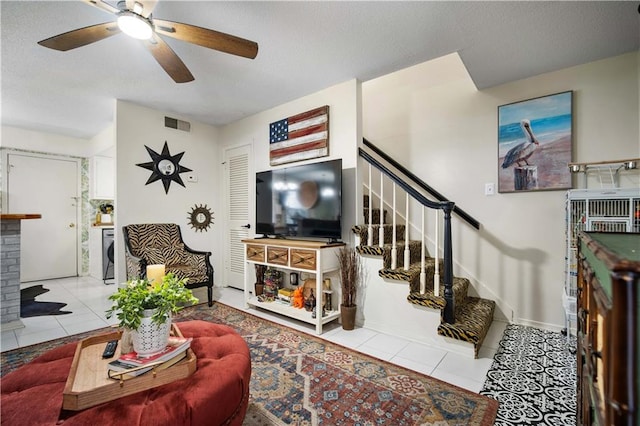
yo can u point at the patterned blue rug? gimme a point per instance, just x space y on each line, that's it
533 377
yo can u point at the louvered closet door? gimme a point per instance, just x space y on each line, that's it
239 202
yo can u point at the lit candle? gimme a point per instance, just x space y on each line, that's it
155 274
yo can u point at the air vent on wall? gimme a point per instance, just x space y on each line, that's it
174 123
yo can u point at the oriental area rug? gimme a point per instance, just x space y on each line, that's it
300 379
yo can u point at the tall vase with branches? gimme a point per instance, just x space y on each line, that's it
351 272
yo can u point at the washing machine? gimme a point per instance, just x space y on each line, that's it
107 255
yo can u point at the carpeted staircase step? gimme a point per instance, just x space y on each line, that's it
362 231
430 300
375 213
375 216
473 316
411 275
472 322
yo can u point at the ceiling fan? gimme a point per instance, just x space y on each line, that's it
134 18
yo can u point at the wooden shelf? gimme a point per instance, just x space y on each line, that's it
291 312
311 257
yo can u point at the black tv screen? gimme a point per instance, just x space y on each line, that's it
300 201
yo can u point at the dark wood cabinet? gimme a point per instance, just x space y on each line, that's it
608 342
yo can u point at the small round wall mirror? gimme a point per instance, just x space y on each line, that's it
200 218
166 167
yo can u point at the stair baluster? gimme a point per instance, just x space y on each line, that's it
394 247
423 274
406 235
381 230
370 229
436 274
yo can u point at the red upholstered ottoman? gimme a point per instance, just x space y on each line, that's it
216 394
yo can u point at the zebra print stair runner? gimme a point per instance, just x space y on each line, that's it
473 315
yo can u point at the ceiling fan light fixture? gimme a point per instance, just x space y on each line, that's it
134 25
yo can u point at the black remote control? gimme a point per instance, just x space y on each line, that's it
110 349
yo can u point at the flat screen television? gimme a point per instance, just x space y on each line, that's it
300 201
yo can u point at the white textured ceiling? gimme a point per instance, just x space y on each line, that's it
303 47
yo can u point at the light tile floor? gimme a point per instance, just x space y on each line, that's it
87 298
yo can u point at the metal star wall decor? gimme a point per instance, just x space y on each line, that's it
164 166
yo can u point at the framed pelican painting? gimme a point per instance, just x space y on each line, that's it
535 144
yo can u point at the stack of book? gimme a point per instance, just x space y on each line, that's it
134 365
285 295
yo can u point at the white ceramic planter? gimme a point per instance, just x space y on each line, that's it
150 338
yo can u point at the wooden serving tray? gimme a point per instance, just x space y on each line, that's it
88 383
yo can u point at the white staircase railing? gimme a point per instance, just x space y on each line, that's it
386 175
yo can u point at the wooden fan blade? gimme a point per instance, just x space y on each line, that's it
102 6
147 6
81 37
168 60
207 38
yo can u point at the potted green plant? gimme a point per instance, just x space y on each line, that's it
351 276
146 309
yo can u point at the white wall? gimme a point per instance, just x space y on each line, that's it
432 118
31 140
136 202
344 133
343 113
104 143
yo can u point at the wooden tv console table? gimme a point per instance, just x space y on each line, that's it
311 257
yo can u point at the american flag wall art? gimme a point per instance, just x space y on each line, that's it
300 137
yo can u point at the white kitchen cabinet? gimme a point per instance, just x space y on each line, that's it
102 178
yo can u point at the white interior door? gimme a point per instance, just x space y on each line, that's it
239 200
49 246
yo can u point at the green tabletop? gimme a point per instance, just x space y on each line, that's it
626 246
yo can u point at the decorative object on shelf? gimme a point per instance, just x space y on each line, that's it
298 298
259 285
146 309
285 296
106 210
310 302
535 140
300 137
259 288
272 282
308 286
200 218
327 293
351 277
293 278
165 167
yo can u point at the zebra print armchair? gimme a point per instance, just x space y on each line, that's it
161 243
